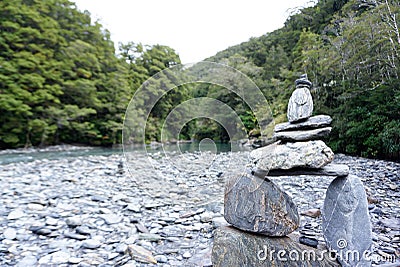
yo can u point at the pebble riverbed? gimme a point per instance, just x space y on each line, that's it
93 211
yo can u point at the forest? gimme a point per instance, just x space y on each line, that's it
62 80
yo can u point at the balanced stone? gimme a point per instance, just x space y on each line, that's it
345 221
314 122
303 81
236 248
311 154
328 170
305 135
258 205
300 105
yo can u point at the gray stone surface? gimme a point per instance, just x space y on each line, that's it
328 170
91 244
303 81
10 233
345 221
141 254
311 154
303 135
300 105
258 205
233 247
313 122
178 205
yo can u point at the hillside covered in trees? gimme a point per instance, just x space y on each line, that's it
350 51
61 80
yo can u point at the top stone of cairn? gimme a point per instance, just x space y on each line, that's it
300 105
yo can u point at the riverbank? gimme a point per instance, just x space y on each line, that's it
91 210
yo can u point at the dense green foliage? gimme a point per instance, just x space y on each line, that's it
350 50
60 78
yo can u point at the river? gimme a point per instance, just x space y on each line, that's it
68 151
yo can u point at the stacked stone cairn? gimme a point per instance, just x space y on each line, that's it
263 217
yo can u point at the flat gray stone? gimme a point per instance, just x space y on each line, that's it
328 170
345 221
300 105
314 122
15 214
73 221
111 218
304 135
233 247
10 233
311 154
141 254
59 257
91 244
258 205
27 261
75 236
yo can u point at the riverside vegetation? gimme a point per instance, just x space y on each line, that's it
61 80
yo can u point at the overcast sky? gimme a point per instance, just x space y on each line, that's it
195 29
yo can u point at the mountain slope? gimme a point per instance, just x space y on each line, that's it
350 50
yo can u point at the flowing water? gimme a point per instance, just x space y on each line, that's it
67 151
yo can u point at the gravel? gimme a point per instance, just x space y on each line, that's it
86 210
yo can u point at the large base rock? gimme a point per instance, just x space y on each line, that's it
345 221
233 248
258 205
311 154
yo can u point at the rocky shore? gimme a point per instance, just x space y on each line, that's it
91 211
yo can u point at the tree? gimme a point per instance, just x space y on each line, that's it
60 80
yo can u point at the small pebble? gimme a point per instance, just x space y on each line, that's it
10 233
91 243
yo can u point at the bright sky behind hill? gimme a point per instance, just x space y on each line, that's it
195 29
